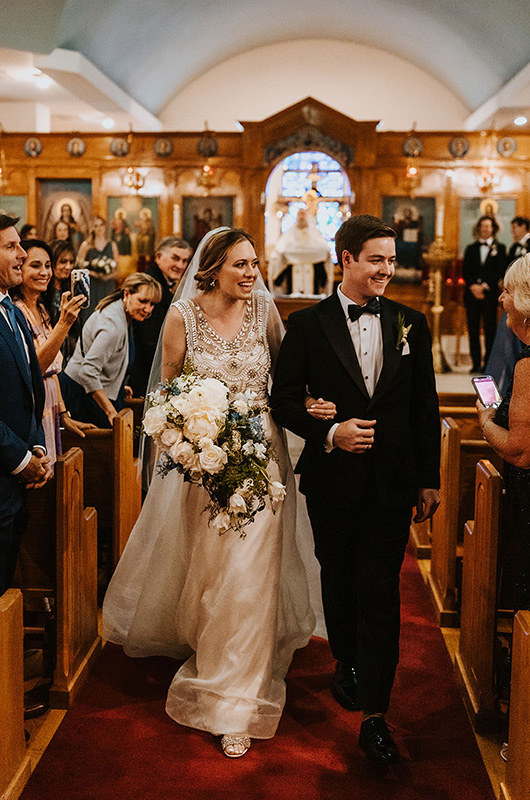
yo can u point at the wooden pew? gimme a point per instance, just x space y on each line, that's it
58 561
467 420
517 783
15 765
459 458
474 659
111 481
136 404
457 398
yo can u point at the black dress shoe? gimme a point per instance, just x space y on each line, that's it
376 741
344 687
35 710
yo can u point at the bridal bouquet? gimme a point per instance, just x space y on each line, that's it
103 265
216 442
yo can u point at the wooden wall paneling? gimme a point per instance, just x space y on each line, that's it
15 765
474 659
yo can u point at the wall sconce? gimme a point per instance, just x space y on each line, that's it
412 177
488 178
206 177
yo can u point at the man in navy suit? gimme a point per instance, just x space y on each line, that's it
23 460
372 453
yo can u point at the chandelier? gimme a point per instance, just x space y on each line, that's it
134 179
488 178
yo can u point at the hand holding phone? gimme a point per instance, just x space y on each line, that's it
487 391
80 279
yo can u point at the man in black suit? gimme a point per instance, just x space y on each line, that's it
483 269
521 239
23 460
363 470
171 259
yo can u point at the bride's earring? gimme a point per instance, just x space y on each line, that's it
213 283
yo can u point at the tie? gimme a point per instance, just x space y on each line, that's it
372 307
10 308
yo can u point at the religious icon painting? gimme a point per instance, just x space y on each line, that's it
119 147
506 146
76 147
33 147
412 146
163 147
459 146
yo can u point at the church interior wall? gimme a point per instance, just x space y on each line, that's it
350 77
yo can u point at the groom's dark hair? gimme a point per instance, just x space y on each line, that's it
353 234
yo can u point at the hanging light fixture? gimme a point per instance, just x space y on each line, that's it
488 178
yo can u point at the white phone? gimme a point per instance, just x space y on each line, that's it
487 390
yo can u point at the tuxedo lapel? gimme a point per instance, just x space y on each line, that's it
336 330
391 355
20 358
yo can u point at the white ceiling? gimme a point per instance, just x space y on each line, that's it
137 55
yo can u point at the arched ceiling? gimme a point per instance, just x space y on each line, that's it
152 49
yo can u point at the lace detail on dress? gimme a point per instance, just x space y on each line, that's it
242 362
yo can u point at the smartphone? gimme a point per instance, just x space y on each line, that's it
80 279
487 390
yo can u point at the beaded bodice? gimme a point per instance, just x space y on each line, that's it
243 362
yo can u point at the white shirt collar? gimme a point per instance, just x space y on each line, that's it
345 302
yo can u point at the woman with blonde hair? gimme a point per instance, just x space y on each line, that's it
94 382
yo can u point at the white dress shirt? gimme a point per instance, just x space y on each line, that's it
367 339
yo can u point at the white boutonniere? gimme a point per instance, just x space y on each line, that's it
403 331
493 250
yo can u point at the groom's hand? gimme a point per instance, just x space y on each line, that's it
428 502
355 435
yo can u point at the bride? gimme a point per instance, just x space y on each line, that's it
235 608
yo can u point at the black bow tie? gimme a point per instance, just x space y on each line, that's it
372 307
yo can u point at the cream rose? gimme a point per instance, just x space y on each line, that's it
222 522
184 454
154 420
212 459
170 437
276 493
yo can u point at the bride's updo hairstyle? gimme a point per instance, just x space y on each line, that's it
214 255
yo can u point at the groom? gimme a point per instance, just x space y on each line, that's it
364 470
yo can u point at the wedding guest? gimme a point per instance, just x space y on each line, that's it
61 232
23 460
100 256
28 231
507 429
171 259
94 381
36 275
483 269
63 261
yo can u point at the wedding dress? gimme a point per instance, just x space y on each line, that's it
235 608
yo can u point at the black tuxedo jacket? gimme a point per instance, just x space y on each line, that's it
21 406
317 353
493 269
146 335
512 252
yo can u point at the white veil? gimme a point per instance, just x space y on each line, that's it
187 289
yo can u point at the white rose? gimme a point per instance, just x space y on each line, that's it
154 420
170 437
201 423
248 447
212 459
179 403
184 454
236 504
276 493
241 406
222 522
216 393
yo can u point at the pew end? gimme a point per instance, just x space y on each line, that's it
15 764
474 659
517 783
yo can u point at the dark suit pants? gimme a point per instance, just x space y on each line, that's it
487 311
360 549
11 529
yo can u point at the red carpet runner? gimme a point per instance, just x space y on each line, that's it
117 742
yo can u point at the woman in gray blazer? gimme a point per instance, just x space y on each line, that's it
93 383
